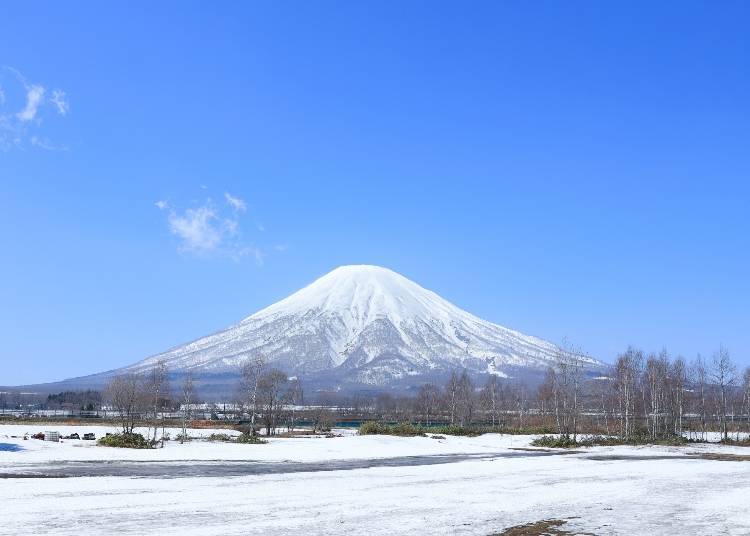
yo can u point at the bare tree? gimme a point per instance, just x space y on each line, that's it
699 379
465 399
294 397
451 395
272 394
187 393
491 395
627 371
520 400
323 416
250 374
157 389
746 398
724 376
126 393
385 406
428 400
656 391
566 379
678 374
601 390
545 393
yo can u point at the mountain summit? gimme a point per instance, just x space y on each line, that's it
365 325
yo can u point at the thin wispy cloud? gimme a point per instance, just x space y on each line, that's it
46 144
257 254
23 107
235 202
197 229
212 230
34 96
58 99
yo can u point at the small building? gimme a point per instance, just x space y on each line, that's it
52 436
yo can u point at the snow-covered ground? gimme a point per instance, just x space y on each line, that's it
601 490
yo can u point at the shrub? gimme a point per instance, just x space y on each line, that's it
125 441
671 441
555 442
401 429
641 438
566 442
372 428
735 443
413 430
529 430
250 439
407 430
220 437
455 430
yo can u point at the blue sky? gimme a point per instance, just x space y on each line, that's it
576 170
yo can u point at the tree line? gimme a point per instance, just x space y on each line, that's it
265 394
641 396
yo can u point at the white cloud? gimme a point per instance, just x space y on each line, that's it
197 229
254 252
60 102
23 128
235 202
281 247
258 255
206 231
34 97
44 143
231 226
213 230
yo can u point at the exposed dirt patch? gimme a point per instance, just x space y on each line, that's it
724 457
542 449
546 527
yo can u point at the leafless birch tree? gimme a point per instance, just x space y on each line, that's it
428 400
250 373
126 393
724 375
157 388
187 394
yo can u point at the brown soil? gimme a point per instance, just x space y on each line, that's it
546 527
724 457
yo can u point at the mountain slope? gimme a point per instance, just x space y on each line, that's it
363 324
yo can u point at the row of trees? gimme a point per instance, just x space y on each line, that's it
134 395
661 392
650 396
270 394
459 401
267 395
654 396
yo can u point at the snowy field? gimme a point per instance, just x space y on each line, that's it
367 485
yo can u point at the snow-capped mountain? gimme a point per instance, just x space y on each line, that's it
363 324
